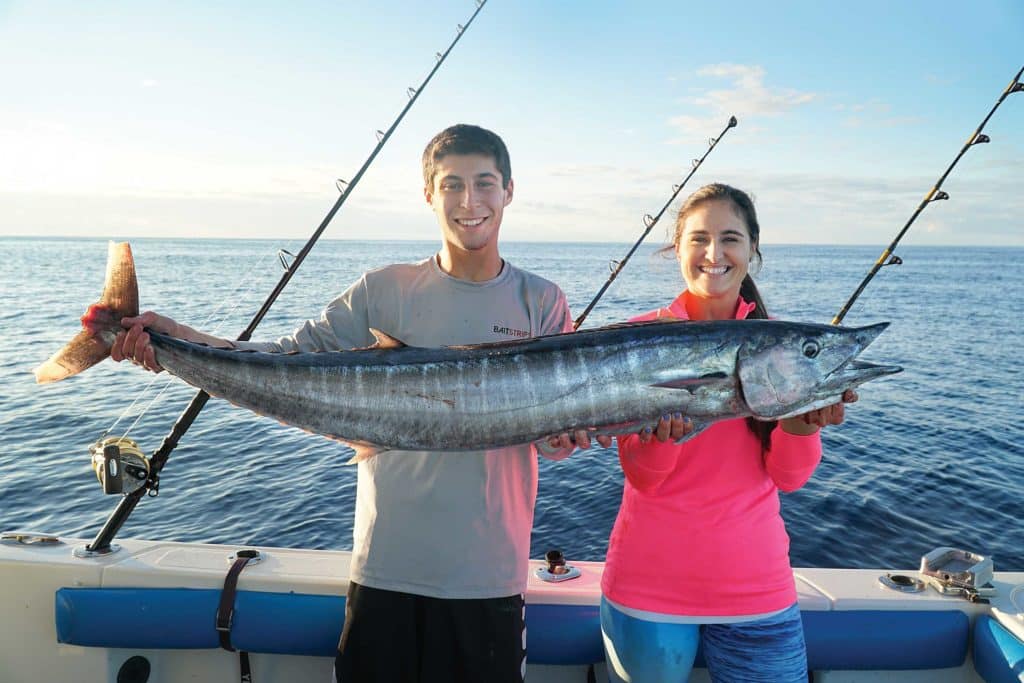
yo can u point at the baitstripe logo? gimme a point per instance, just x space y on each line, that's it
512 332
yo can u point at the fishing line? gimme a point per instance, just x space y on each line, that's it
220 314
650 221
934 195
101 543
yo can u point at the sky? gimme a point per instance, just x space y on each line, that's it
198 119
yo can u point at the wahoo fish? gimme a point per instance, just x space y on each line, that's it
608 380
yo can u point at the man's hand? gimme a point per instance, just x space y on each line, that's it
580 438
132 343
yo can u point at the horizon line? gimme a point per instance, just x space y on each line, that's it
503 241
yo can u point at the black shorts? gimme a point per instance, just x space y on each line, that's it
392 637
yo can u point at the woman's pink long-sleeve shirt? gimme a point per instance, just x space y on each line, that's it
699 531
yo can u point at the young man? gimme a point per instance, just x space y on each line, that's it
441 540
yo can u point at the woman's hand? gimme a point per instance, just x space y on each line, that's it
672 427
811 421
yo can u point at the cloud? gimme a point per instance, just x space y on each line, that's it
839 209
1002 162
747 98
794 208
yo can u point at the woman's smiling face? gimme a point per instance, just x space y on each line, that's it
715 251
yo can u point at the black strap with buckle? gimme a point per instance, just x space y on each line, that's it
226 609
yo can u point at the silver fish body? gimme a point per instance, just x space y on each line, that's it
607 380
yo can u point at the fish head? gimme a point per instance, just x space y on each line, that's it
791 368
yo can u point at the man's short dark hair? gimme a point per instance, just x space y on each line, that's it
464 138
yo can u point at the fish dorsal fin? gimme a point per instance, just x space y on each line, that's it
385 340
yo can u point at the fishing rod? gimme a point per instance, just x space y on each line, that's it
101 543
934 195
650 221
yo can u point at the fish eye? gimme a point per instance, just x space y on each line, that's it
811 349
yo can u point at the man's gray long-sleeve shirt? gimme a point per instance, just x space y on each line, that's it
446 525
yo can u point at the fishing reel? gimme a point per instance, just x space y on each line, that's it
119 464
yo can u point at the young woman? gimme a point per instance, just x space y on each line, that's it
699 551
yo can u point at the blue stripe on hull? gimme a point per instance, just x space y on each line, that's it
302 624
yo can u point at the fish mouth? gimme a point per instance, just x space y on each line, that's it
856 372
851 374
861 371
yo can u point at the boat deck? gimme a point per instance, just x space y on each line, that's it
83 618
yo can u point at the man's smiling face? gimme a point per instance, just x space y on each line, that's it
469 200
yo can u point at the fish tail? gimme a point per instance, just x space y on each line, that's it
101 322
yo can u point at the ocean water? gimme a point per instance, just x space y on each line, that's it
931 457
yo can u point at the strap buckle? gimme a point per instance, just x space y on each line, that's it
224 625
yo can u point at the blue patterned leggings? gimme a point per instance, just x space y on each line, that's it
769 650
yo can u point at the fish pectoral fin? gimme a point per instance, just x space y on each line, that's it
364 451
385 340
691 382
